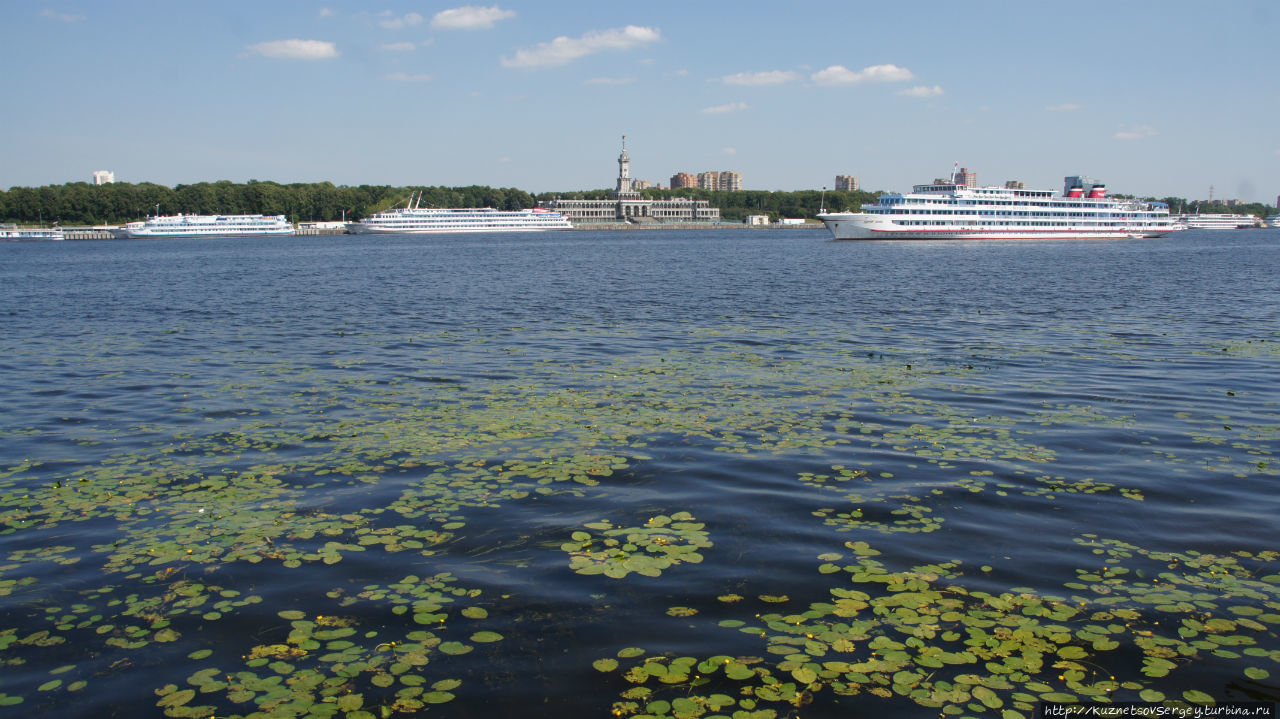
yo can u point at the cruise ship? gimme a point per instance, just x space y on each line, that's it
1219 222
1273 221
207 226
415 220
953 211
13 232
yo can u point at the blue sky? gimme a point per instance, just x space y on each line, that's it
1154 98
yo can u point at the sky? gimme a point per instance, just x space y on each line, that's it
1168 98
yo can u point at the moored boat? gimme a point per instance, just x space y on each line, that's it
947 210
422 220
1219 221
13 232
207 226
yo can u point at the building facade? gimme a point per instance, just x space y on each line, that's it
1084 182
683 179
628 205
966 178
722 181
103 177
848 183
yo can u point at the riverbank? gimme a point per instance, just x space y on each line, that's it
690 226
95 233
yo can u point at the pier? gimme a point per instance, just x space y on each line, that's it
87 233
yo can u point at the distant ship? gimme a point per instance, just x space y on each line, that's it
1273 221
13 232
415 220
1219 222
207 226
953 211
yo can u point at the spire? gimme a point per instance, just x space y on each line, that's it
624 170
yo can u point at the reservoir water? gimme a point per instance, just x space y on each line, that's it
649 473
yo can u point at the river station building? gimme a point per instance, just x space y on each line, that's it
628 205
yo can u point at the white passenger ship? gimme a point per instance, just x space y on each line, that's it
415 220
1219 222
207 226
1273 221
13 232
952 211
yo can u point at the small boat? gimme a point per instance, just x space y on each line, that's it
13 232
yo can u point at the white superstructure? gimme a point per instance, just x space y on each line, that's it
1273 221
13 232
953 211
207 226
415 220
1219 222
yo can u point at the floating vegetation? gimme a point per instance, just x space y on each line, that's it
236 559
648 550
324 667
920 634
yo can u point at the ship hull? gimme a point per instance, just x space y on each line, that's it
439 221
358 228
862 226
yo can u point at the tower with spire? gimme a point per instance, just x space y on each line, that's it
625 191
630 206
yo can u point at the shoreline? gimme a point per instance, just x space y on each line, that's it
100 234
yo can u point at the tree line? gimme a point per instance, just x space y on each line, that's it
80 203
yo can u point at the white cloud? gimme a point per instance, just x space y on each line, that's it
399 46
406 77
1064 107
922 91
61 16
564 50
470 17
721 109
395 23
296 49
1137 132
773 77
326 12
841 75
610 81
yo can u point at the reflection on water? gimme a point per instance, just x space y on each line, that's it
662 473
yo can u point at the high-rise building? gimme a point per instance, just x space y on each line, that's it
1015 185
1084 182
683 179
725 181
848 183
966 178
103 177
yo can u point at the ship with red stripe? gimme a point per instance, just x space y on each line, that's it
951 210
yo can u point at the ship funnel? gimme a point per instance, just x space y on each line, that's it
1098 192
1076 191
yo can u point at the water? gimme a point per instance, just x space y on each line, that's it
332 475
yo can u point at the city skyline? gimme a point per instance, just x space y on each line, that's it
1156 99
